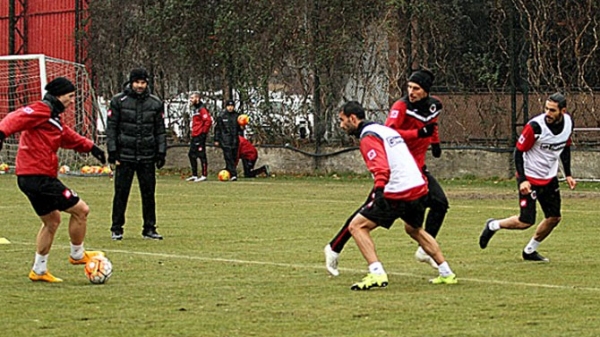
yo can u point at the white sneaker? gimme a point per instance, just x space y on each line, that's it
202 178
421 256
331 261
192 178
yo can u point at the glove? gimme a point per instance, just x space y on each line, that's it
2 137
426 131
379 199
113 157
160 161
99 154
436 150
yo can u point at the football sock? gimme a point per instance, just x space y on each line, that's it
376 268
420 250
532 246
77 251
444 269
494 225
40 264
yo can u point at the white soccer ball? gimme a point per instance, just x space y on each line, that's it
99 269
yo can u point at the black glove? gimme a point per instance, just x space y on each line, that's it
2 137
160 161
436 150
426 131
99 154
379 199
113 157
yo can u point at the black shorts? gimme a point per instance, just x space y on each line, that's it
47 194
547 195
412 212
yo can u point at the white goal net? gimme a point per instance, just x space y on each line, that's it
22 81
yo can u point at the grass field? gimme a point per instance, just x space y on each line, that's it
245 259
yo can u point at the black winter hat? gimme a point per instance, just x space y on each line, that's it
138 74
59 86
230 102
424 78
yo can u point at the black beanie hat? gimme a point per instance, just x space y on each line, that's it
230 102
424 78
59 86
138 74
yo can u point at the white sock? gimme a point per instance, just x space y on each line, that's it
444 269
532 246
40 264
77 251
376 268
494 225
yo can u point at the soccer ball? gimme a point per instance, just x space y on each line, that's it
243 119
224 175
4 168
64 169
98 270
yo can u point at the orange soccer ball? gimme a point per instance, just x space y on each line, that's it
98 270
243 119
224 175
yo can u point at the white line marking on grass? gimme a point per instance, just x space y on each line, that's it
303 266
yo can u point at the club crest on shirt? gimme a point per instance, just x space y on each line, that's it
28 110
394 114
371 154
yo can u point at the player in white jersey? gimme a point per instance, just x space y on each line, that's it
399 191
544 140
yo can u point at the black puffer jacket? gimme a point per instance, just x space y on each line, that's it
227 129
135 127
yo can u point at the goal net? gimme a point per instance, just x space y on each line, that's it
22 81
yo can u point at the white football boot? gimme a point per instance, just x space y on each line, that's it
331 261
421 256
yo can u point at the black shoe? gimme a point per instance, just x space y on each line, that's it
535 256
151 234
486 234
117 236
234 178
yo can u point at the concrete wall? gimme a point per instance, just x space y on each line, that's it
454 163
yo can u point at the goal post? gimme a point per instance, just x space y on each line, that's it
22 82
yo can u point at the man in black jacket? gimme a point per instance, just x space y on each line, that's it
136 142
227 131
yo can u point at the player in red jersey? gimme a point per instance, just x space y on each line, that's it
399 191
544 140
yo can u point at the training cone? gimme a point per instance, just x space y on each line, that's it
4 241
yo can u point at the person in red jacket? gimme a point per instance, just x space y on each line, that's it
42 134
201 122
249 155
399 191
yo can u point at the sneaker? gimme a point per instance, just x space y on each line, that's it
535 256
118 236
370 281
87 255
421 256
331 261
267 170
202 178
192 178
45 277
450 279
234 178
151 234
486 234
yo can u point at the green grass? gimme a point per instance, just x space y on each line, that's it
245 259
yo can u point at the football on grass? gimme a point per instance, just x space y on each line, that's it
98 270
224 175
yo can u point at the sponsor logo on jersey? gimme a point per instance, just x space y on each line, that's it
371 154
433 108
553 147
395 140
533 195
